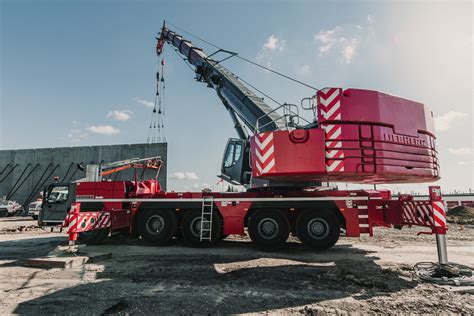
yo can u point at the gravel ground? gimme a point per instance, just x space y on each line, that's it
367 275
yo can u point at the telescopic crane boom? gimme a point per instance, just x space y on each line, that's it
239 100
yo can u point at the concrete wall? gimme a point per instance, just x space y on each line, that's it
28 170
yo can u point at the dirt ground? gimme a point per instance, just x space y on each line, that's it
367 275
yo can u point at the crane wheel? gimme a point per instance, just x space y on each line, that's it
269 229
94 237
158 226
191 228
318 229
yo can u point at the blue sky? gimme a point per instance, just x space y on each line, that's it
66 66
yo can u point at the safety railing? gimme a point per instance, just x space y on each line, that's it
311 106
290 117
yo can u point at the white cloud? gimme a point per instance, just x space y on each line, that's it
146 103
304 69
443 122
460 151
274 43
370 18
328 38
103 130
349 49
120 115
339 37
76 135
184 175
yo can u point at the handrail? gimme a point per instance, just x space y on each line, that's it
288 116
312 106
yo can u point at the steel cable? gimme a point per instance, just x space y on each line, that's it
449 274
246 59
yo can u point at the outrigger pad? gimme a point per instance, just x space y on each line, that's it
61 259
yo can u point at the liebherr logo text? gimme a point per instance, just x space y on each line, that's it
85 196
402 139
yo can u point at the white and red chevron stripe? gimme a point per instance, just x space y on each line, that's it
87 221
265 153
417 213
439 214
329 107
103 221
68 218
71 218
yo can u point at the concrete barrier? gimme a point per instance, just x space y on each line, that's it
24 172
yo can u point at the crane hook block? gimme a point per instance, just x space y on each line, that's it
160 44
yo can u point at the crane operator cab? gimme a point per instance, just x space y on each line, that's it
236 162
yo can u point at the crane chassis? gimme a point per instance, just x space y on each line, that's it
317 216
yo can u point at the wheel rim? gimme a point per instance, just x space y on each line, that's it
318 228
155 224
268 228
195 227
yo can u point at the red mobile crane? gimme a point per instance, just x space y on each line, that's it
357 136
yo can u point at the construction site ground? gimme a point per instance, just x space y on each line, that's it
358 275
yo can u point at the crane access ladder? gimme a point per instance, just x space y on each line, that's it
206 218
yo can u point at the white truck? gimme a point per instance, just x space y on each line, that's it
34 208
8 208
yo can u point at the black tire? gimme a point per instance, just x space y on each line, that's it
35 217
269 229
191 229
158 226
318 229
94 237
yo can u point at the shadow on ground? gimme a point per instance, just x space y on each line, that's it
230 278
